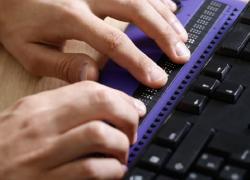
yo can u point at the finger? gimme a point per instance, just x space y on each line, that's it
84 102
170 18
115 44
95 137
172 6
90 168
143 14
41 60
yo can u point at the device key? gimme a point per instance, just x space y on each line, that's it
228 92
209 163
217 70
155 156
193 103
232 145
246 52
188 151
197 176
172 133
164 178
236 40
206 85
232 173
245 17
140 174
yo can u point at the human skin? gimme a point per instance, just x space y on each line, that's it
84 130
47 137
34 32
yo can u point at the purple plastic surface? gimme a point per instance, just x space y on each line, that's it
118 78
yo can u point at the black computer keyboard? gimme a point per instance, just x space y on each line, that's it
208 135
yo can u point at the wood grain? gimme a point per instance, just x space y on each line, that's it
16 83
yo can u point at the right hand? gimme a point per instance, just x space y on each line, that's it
58 134
34 32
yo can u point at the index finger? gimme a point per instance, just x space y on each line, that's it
115 44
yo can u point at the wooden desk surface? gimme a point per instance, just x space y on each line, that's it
15 82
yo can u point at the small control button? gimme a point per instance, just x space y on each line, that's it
229 92
206 85
193 103
217 70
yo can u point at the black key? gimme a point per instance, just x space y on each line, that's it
242 157
234 146
206 85
188 151
245 17
228 92
197 176
209 163
236 40
155 156
232 173
172 133
193 103
140 174
164 178
246 52
217 70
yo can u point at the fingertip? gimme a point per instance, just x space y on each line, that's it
140 106
173 7
158 77
182 52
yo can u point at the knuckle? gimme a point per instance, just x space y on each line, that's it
98 131
136 5
114 39
104 98
24 103
89 169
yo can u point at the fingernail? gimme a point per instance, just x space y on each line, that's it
84 72
182 50
171 4
158 75
140 106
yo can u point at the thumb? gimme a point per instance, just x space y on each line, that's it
41 60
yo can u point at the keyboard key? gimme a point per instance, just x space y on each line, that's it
242 157
155 156
236 40
140 174
232 173
164 178
228 92
234 146
193 103
217 70
209 163
245 17
188 151
206 85
172 133
197 176
246 52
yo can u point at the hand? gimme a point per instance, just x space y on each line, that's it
58 134
34 32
